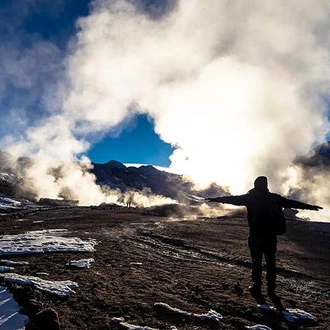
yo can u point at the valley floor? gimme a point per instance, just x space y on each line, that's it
192 265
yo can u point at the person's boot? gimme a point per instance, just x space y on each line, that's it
271 293
255 290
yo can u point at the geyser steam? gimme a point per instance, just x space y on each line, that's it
237 87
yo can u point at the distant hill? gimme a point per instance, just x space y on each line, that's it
318 156
9 181
116 175
150 180
113 175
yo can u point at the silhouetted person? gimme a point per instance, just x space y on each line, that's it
262 232
129 201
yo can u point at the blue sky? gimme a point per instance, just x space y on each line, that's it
28 26
137 143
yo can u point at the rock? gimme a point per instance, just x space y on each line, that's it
34 307
45 319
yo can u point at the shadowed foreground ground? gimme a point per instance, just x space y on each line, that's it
193 265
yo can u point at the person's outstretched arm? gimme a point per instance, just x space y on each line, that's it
290 203
235 200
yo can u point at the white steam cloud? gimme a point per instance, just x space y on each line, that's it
237 87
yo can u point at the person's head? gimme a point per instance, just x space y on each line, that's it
261 183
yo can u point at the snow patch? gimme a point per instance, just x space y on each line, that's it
258 327
13 263
297 314
6 269
8 178
81 263
59 288
211 315
290 315
43 241
10 318
40 241
127 326
135 327
15 203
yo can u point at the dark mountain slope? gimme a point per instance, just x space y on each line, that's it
148 178
319 156
115 175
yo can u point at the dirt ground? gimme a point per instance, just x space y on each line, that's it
192 265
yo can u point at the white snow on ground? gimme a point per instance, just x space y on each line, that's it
212 315
10 319
258 327
59 288
42 241
8 178
135 327
5 269
81 263
15 203
32 242
297 314
127 326
13 263
290 315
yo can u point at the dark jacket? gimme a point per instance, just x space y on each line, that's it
259 207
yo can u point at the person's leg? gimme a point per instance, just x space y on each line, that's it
255 246
270 256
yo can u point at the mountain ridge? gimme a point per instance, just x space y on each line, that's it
114 175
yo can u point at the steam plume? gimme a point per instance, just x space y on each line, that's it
233 85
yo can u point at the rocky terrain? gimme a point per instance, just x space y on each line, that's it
194 265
